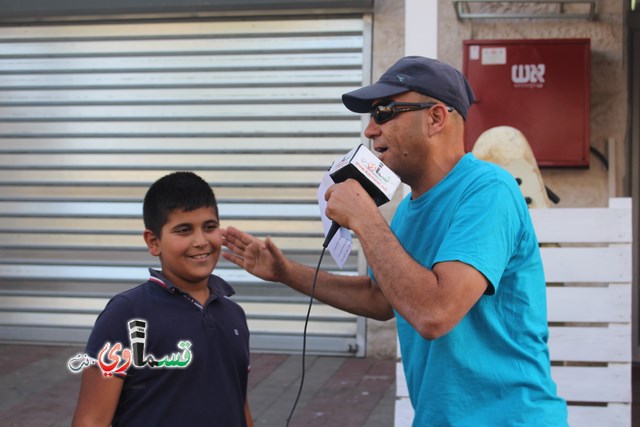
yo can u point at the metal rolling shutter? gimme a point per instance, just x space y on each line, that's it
91 115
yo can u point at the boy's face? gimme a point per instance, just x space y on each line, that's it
189 247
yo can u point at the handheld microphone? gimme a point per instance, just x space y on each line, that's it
376 178
380 183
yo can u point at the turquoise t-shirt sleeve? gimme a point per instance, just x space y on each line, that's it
484 230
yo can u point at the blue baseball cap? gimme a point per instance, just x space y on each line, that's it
427 76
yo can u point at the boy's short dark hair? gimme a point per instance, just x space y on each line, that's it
179 190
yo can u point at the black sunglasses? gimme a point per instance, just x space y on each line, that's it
386 110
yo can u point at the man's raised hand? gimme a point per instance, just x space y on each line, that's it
260 258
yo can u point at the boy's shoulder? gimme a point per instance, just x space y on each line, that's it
139 291
132 301
128 297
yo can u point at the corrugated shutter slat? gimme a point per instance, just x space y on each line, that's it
91 115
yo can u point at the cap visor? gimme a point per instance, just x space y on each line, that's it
359 100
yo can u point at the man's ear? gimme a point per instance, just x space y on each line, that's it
152 241
437 118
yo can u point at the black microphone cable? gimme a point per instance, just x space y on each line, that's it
306 323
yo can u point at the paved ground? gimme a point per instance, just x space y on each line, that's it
36 389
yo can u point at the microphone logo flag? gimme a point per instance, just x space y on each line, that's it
374 176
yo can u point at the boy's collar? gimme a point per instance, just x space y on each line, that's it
217 286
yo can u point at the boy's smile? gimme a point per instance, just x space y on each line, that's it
189 247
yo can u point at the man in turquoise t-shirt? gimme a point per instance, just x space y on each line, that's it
459 267
494 364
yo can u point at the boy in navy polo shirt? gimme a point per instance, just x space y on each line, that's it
173 351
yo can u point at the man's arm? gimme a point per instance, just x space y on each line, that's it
97 400
433 302
356 294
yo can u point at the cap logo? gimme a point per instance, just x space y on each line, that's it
401 78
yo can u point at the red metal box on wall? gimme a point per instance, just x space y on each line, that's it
540 87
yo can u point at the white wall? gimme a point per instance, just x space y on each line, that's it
421 28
